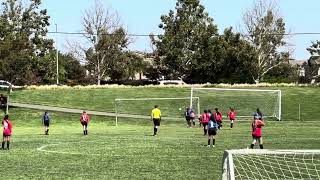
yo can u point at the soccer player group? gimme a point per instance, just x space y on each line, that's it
211 124
7 127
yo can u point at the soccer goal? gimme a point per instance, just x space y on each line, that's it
245 101
140 108
271 164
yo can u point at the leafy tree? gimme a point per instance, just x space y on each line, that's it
266 32
237 62
314 60
108 41
23 27
188 41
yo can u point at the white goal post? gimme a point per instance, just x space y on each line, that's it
271 164
245 101
140 108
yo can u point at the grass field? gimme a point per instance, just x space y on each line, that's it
129 151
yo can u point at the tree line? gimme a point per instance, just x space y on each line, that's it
190 48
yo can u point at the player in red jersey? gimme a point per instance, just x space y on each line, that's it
7 131
257 132
232 116
218 117
84 120
204 121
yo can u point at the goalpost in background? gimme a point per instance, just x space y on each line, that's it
245 101
140 108
271 164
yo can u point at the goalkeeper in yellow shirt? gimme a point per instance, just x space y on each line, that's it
156 117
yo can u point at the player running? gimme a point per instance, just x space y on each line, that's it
212 131
232 116
204 118
218 117
7 131
84 120
156 118
46 122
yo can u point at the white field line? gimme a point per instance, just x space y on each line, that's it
42 149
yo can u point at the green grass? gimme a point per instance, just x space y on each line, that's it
129 151
103 99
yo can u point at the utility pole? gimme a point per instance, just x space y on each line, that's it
57 54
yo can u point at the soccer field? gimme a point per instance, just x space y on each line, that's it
129 151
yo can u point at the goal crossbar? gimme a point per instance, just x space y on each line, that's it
249 95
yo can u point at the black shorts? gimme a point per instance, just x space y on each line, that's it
46 123
212 132
188 118
156 122
84 123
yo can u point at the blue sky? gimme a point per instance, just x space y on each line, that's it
143 17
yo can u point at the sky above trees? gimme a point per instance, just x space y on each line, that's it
143 17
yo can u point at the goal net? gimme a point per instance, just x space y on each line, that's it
244 101
271 164
140 108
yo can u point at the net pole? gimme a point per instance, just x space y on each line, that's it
198 106
7 106
191 97
116 111
279 94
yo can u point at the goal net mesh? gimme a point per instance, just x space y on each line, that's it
171 108
272 164
245 101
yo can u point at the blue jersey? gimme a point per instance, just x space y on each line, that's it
257 115
212 125
46 117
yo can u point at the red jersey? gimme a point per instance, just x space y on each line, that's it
7 127
232 115
218 116
84 117
256 129
204 118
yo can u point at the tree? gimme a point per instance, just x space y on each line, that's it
314 60
238 58
265 30
23 27
108 42
187 30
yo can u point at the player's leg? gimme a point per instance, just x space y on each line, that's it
209 139
214 133
8 142
155 126
231 123
260 142
254 141
84 128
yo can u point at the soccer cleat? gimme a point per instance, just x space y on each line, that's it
208 145
213 146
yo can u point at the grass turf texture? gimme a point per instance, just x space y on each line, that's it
103 99
129 151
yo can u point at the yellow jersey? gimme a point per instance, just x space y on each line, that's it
156 113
